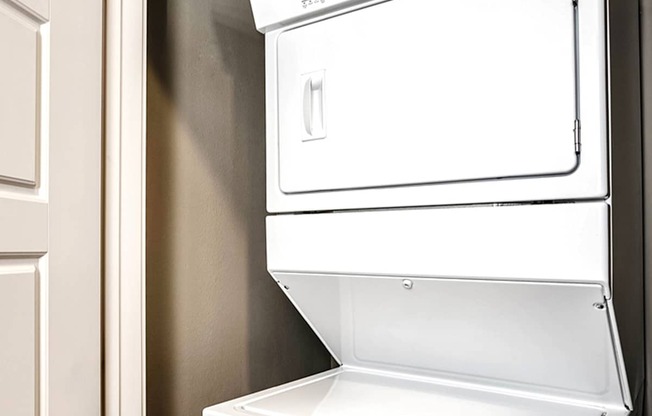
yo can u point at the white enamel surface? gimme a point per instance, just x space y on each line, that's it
488 105
354 392
588 181
554 242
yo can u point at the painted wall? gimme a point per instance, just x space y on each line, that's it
218 327
646 101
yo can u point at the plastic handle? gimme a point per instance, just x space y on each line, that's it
307 106
313 106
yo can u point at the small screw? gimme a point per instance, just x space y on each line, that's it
407 284
286 287
599 306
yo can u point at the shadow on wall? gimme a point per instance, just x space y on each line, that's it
217 325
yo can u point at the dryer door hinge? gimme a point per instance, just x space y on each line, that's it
578 139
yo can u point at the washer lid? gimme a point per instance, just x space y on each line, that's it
543 339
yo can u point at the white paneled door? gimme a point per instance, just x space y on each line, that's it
50 207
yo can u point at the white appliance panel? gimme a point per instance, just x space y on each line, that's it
467 91
546 243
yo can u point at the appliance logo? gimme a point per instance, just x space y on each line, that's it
308 3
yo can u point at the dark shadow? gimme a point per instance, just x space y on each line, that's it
159 303
206 71
281 345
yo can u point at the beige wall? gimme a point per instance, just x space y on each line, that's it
217 326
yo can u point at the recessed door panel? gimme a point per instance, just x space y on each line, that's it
420 91
18 100
18 354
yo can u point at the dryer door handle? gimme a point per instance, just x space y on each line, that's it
314 120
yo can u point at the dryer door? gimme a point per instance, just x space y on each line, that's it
420 91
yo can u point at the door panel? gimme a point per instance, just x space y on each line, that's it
385 87
18 353
24 226
50 183
18 101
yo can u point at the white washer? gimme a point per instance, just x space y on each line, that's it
431 311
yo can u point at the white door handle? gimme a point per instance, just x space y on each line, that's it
314 120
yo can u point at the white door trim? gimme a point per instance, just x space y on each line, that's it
124 200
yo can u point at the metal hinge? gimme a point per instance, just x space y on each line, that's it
577 128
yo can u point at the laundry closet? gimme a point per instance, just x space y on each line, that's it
454 205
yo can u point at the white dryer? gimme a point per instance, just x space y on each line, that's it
421 102
440 179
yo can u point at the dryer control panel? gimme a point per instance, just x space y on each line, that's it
312 3
272 14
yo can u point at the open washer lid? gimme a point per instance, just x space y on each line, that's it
543 339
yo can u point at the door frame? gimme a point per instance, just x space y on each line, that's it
124 207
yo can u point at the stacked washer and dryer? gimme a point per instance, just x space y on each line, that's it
454 190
